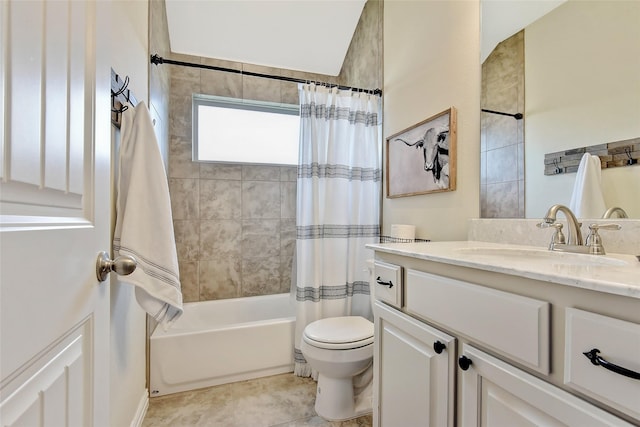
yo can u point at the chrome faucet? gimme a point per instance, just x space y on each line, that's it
574 235
615 209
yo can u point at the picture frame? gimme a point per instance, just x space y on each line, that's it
422 158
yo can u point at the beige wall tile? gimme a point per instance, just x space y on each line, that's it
286 263
502 137
220 171
187 234
288 173
184 198
261 89
181 164
220 83
500 164
220 278
220 199
260 238
362 65
260 173
502 200
220 239
180 117
287 200
260 199
189 281
287 237
287 248
260 276
289 92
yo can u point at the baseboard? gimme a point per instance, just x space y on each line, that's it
143 405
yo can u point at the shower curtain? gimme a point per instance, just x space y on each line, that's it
338 206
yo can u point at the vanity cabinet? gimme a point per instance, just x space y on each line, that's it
510 353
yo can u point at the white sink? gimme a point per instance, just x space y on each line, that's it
532 255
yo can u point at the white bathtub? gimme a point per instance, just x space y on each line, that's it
223 341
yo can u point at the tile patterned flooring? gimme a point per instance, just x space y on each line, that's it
278 401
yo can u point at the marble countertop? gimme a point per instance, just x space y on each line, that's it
612 273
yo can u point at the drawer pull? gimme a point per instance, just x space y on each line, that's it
464 362
383 283
599 361
439 347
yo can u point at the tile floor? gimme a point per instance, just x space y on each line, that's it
278 401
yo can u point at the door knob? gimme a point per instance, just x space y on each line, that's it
122 265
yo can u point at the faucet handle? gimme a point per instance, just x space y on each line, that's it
594 240
596 227
558 235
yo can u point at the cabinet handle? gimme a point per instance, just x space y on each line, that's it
383 283
464 362
599 361
439 347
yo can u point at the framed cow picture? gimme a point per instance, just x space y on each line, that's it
422 159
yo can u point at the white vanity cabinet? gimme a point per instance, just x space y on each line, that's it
511 350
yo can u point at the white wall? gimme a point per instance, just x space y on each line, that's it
431 63
577 98
129 57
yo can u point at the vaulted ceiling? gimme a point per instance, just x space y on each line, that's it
304 35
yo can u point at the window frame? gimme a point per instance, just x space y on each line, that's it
240 104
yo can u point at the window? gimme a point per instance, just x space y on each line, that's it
236 131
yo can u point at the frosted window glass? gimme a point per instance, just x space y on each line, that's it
235 134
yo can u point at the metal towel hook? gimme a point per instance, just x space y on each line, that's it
630 160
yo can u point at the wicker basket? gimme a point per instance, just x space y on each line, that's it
389 239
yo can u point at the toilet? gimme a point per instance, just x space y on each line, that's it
339 348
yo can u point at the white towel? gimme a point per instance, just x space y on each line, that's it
587 200
144 225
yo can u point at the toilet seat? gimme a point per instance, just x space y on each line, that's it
339 333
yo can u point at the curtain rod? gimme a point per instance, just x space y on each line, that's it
517 116
155 59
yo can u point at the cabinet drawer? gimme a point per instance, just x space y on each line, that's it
387 283
514 325
619 344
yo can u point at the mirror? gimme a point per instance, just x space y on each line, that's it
579 66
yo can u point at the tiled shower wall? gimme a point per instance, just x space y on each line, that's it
502 137
235 224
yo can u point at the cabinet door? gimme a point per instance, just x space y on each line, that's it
496 394
413 383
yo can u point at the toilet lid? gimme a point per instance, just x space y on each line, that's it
355 330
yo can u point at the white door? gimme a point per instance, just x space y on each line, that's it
54 202
414 369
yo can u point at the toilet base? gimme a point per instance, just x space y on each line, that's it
335 400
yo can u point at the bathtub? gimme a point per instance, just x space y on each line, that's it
223 341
